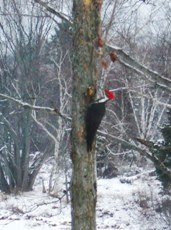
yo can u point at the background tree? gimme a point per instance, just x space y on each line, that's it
21 61
163 152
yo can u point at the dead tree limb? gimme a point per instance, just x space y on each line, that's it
53 11
134 65
35 107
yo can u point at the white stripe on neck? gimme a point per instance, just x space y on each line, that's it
104 99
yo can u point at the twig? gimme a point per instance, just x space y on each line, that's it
45 203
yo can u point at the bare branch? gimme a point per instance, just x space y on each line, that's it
143 152
24 15
43 127
52 11
130 63
34 107
155 100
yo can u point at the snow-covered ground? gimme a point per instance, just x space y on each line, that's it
123 203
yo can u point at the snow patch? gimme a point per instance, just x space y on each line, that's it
120 205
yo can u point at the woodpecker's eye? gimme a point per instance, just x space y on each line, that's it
110 94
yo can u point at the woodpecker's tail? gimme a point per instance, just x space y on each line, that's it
89 145
89 148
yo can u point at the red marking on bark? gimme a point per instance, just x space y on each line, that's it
104 64
113 56
100 42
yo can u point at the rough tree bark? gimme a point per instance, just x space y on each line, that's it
86 31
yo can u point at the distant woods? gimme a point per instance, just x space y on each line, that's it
35 67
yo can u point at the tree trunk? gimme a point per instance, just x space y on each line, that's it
26 149
86 31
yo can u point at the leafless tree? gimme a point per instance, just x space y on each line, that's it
22 78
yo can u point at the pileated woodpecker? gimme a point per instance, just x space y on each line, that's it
94 115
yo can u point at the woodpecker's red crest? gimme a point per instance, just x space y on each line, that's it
110 94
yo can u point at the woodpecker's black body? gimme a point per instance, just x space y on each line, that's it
95 113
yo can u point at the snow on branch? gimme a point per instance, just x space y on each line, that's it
155 100
43 127
132 64
34 107
2 148
129 144
53 11
142 151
